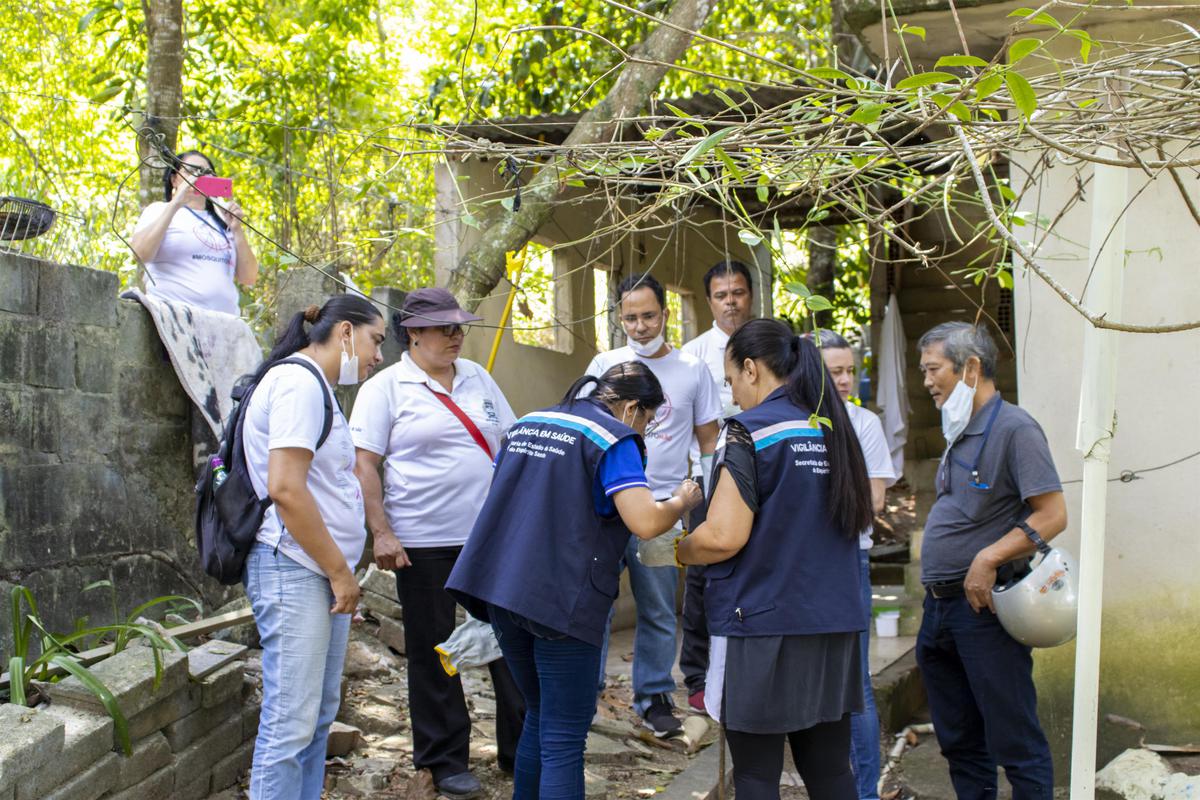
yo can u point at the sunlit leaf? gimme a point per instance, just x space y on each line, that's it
925 79
961 61
1022 93
1022 48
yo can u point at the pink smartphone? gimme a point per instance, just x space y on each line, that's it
211 186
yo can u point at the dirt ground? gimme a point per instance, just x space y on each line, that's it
623 761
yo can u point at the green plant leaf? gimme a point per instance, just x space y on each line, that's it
763 189
867 113
17 680
1022 93
749 238
1021 12
653 134
829 74
679 112
961 61
818 303
1006 192
816 421
1085 43
951 106
704 145
96 687
925 79
912 30
987 86
730 165
1005 279
1021 48
798 289
98 585
726 99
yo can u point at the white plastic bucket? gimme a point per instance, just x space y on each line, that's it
887 624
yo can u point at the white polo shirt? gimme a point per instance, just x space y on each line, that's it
435 476
287 410
692 400
709 347
875 451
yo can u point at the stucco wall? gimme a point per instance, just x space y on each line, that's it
1149 669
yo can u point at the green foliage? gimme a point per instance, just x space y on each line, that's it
37 652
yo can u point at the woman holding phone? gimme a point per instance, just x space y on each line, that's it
194 250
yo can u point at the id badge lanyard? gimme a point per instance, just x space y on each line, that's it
976 483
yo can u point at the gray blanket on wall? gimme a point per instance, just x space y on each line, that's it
208 349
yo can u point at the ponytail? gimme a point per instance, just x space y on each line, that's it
630 380
798 362
352 308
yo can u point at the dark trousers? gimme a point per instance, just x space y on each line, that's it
983 702
821 753
693 649
441 726
555 673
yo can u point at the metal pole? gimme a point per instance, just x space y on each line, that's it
1097 424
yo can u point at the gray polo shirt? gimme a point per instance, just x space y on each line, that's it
972 513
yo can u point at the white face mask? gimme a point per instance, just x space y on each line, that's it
348 372
956 411
648 349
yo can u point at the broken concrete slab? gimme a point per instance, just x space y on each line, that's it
1139 774
130 675
211 656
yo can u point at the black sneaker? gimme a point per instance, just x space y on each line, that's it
660 718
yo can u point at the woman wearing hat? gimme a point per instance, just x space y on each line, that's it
434 422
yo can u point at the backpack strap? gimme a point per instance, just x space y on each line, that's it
327 425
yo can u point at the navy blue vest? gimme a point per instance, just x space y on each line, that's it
797 574
538 548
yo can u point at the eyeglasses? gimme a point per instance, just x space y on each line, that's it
196 170
450 331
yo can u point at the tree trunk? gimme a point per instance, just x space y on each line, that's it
164 91
822 267
481 268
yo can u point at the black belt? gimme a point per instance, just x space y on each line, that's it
940 591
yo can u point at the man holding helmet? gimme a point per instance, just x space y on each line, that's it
997 493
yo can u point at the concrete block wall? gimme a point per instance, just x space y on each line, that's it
192 733
95 448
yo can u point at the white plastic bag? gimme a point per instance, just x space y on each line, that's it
473 644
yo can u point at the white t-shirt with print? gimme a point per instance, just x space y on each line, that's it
287 410
875 451
709 347
196 262
692 400
435 475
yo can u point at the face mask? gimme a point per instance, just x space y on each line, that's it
348 372
956 411
648 349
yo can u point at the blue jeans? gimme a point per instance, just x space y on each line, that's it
303 649
551 669
983 702
654 641
864 727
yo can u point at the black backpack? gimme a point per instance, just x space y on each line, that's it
229 515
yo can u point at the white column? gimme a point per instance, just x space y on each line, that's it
1097 425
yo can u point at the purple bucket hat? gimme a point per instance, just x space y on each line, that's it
432 306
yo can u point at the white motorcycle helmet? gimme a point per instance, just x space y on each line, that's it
1040 609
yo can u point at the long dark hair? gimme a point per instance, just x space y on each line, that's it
773 345
173 167
352 308
629 380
